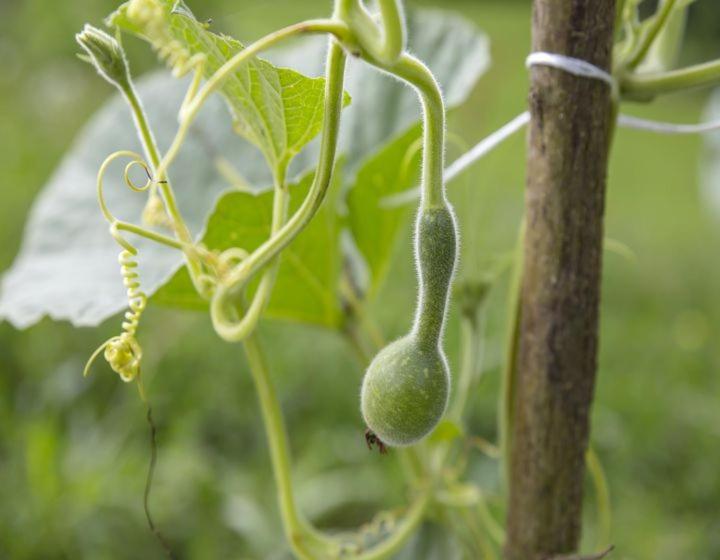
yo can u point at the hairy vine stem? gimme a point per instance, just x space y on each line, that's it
168 196
196 99
237 278
307 541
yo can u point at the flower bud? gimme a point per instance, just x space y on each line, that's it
105 54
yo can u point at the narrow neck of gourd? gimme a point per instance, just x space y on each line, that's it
413 71
430 321
433 191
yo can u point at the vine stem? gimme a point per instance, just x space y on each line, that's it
193 104
471 351
307 541
418 75
296 528
236 278
650 84
238 330
602 496
385 42
170 202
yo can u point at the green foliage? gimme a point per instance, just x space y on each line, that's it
305 289
79 497
67 266
65 227
374 226
277 109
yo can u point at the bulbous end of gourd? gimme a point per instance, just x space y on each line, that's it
405 391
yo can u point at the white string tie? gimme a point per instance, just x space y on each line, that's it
576 67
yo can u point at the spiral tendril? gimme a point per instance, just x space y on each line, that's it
123 352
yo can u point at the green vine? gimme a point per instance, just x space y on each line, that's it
437 464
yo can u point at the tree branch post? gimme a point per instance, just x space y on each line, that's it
568 145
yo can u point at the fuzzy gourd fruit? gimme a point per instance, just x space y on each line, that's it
406 387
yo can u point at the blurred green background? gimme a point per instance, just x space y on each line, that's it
73 452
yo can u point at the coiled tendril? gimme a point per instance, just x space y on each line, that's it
123 352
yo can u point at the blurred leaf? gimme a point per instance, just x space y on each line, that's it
431 542
67 266
374 228
460 495
447 430
665 49
309 267
277 109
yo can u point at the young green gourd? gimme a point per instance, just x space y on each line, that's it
406 387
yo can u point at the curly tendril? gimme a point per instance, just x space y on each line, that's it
123 352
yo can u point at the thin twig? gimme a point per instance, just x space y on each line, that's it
148 485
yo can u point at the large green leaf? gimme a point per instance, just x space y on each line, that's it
308 273
392 170
277 109
67 266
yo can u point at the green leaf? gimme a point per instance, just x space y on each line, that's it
277 109
392 170
447 430
67 266
308 274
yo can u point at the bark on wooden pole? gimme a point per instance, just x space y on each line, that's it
568 145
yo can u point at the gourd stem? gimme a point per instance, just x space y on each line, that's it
430 317
415 73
